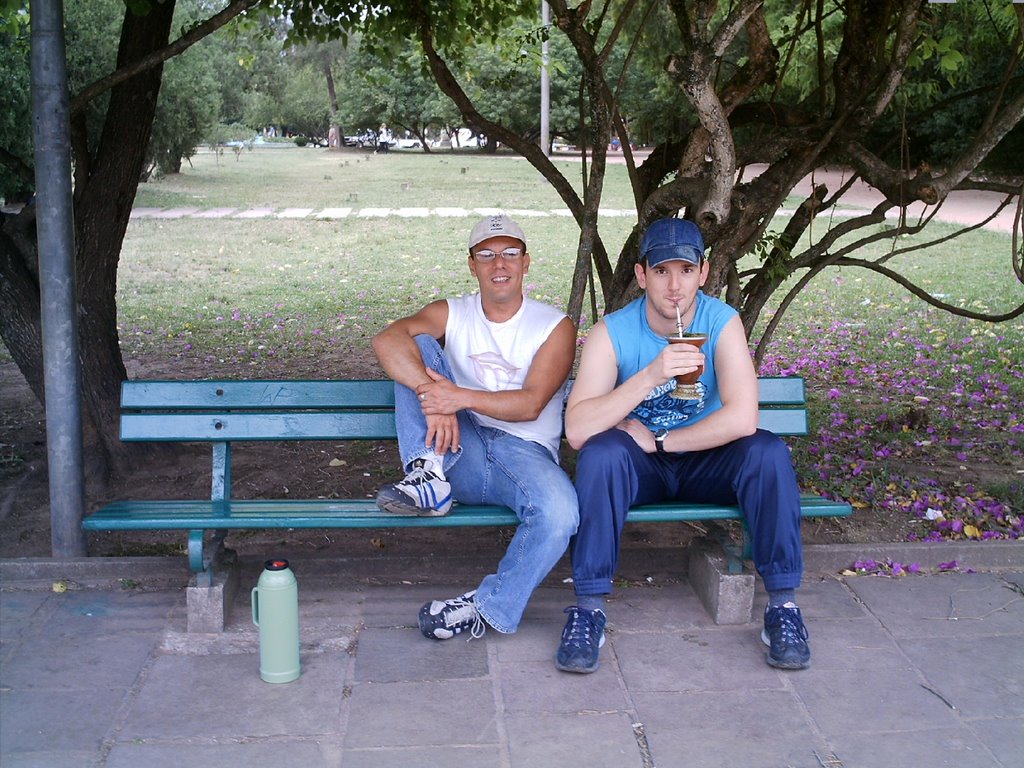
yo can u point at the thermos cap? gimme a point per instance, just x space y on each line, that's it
276 565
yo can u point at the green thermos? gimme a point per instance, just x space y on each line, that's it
275 610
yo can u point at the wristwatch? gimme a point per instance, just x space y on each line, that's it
659 440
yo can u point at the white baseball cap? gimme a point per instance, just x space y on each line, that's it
495 226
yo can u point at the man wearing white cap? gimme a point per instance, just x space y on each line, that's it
479 421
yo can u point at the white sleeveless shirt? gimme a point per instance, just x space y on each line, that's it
496 357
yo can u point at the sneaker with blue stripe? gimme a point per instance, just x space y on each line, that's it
423 493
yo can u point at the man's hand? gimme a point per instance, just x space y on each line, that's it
443 433
675 360
641 435
439 403
440 396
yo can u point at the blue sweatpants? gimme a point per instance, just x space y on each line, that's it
613 474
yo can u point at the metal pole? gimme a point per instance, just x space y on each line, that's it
56 243
545 84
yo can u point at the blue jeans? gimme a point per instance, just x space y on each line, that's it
494 467
613 474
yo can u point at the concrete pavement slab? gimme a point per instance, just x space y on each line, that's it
435 713
174 213
294 213
222 696
213 213
944 605
536 686
398 654
56 720
308 753
1003 737
736 728
334 213
403 757
592 739
872 701
937 748
711 660
852 644
972 673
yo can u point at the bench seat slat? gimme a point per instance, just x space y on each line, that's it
332 513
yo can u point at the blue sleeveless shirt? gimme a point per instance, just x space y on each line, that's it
635 345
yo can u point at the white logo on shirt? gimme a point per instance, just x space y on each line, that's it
492 371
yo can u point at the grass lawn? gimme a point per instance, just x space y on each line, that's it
917 413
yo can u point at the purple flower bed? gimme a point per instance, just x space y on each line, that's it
925 424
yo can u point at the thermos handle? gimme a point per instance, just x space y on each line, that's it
255 606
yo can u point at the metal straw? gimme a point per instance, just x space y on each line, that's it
679 322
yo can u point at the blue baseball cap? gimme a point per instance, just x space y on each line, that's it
672 240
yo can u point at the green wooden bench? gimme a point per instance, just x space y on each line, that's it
226 412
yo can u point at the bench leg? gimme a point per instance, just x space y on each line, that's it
727 597
211 592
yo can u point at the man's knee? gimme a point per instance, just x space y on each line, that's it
561 508
428 345
603 452
765 448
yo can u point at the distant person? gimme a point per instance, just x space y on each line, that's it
479 386
640 445
383 138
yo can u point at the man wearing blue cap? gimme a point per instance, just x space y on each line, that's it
640 443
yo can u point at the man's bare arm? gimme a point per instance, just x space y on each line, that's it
595 403
397 351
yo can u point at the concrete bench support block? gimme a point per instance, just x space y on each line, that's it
210 607
727 597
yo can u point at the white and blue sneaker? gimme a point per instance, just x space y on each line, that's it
423 492
444 619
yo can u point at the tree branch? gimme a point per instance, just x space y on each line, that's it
925 296
190 38
17 166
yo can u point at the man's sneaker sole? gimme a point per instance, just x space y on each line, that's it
581 670
402 508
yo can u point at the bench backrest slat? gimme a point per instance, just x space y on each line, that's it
256 395
224 411
355 394
776 390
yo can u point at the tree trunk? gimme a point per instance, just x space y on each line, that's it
102 210
335 138
105 185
